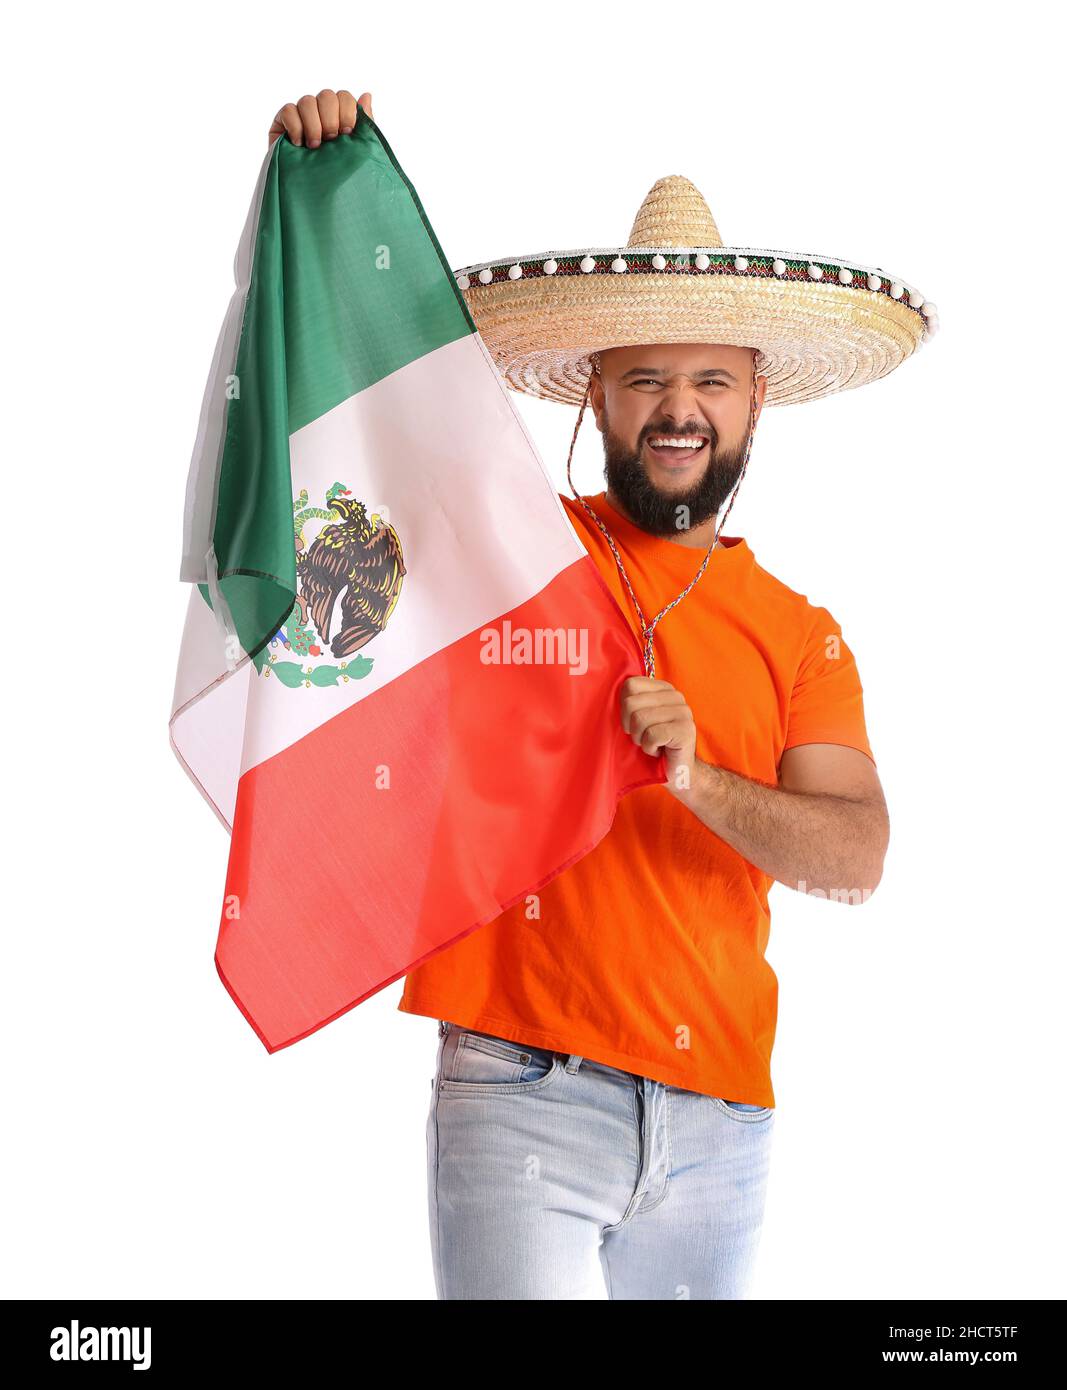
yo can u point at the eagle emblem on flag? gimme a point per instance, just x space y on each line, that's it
349 577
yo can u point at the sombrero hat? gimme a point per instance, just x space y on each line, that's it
820 323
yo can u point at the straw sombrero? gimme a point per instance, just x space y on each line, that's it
820 324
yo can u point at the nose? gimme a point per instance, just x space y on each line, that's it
678 405
681 416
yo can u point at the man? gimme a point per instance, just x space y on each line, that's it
602 1108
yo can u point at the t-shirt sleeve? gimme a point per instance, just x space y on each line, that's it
826 705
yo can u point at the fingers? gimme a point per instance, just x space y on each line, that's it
314 119
286 122
662 735
637 710
329 119
346 107
309 116
657 716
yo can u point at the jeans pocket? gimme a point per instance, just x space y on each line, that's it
474 1062
743 1110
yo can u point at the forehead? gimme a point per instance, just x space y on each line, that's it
679 357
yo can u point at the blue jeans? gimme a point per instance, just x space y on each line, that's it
552 1176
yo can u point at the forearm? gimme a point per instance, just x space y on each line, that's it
815 843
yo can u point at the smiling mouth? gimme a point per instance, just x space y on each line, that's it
678 450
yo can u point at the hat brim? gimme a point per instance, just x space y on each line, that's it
813 337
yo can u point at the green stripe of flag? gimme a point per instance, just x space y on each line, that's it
348 285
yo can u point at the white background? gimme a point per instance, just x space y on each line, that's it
152 1147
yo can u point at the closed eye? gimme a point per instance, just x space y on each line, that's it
651 381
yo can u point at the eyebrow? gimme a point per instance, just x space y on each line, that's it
658 371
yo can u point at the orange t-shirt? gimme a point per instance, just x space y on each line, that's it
648 953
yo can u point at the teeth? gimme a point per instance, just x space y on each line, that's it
665 441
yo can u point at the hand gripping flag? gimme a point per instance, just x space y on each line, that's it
399 678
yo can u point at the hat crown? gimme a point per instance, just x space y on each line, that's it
674 213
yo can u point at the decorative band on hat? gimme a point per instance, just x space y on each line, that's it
702 263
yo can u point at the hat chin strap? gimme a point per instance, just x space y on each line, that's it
648 629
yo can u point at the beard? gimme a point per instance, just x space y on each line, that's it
657 511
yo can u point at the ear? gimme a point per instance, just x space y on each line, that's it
596 399
761 392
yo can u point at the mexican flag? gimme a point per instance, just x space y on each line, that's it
399 677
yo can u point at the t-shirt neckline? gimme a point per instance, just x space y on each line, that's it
727 545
